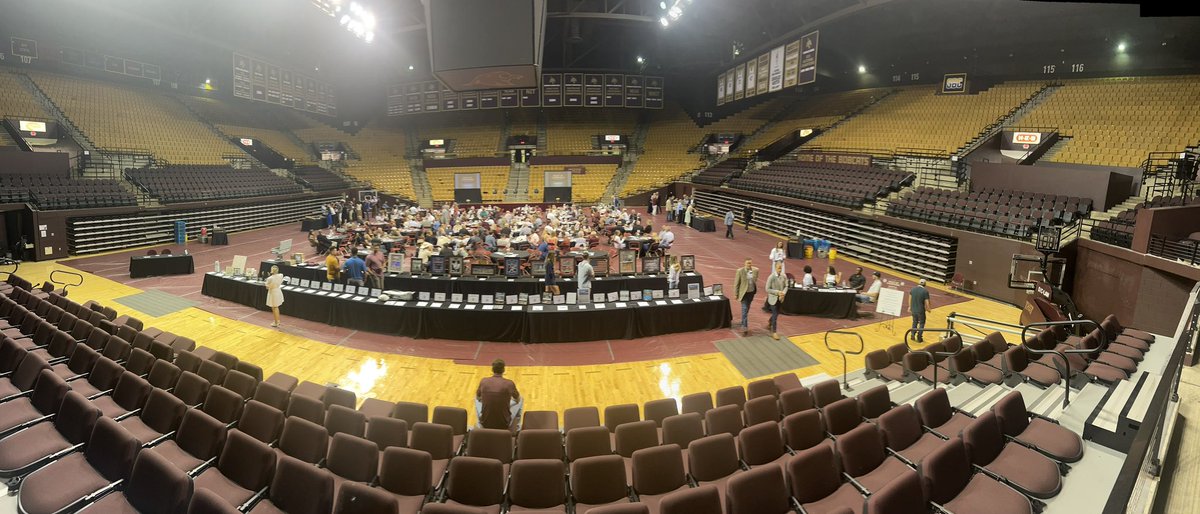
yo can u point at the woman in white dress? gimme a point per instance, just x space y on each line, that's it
687 218
274 284
778 255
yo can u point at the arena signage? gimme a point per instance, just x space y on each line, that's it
954 83
1027 138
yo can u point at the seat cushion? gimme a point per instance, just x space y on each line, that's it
138 428
583 508
214 481
985 374
266 507
1128 352
1118 361
180 458
1105 373
1133 342
652 501
108 407
1031 471
1060 442
982 494
29 445
84 388
954 425
59 484
491 509
887 471
17 411
114 503
845 497
891 372
1041 375
922 447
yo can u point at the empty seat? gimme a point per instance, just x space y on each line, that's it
374 407
937 414
492 444
161 415
163 375
476 482
242 384
617 415
597 481
107 457
875 401
343 420
30 449
540 419
404 472
244 466
699 403
841 416
540 444
303 440
537 485
826 392
455 418
795 400
261 421
880 362
338 396
223 404
658 410
786 382
865 458
588 442
735 395
700 500
712 460
387 432
724 419
657 472
760 409
681 430
47 395
804 430
351 459
967 364
953 484
272 395
355 498
411 412
437 441
306 407
191 388
200 437
154 485
577 417
1036 431
902 429
758 491
817 485
762 444
1028 471
1016 360
297 488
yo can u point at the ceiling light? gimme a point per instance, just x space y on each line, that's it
662 5
1121 46
675 12
345 19
369 37
641 60
664 21
410 67
209 81
862 69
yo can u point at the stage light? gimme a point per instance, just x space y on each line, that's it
664 22
1121 46
862 69
641 60
368 20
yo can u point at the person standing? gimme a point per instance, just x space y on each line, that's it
729 224
673 272
376 264
654 204
354 268
667 208
679 211
274 285
584 274
551 270
499 400
747 213
776 289
744 287
332 265
687 215
778 255
919 306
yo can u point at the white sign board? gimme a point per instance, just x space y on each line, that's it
891 301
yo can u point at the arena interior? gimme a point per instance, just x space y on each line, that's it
754 256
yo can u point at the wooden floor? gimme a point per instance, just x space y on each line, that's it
443 382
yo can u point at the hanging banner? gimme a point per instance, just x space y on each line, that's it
739 82
721 89
764 62
808 58
751 78
791 64
775 77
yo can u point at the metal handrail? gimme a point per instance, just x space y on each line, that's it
78 282
5 261
931 355
845 365
976 322
1063 354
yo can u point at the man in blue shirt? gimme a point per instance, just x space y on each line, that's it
729 224
354 268
919 305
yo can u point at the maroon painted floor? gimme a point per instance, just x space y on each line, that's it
716 259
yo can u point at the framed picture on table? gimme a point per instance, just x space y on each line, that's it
437 265
456 266
651 265
600 266
566 267
416 266
687 263
538 268
627 262
512 267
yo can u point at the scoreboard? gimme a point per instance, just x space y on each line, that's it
262 81
557 90
790 65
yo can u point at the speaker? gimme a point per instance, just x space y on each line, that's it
486 44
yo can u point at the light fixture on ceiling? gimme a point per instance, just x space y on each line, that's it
1121 46
862 68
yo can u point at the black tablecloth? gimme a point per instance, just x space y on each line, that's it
704 224
307 224
154 265
508 323
825 304
490 286
219 237
795 249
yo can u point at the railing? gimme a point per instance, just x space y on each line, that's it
843 353
1062 354
930 355
74 283
1185 250
955 320
4 262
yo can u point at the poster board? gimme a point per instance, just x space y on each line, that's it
890 302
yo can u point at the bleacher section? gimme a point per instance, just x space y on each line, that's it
274 140
1117 121
817 112
721 172
1118 231
836 184
572 131
586 187
193 183
470 134
381 154
16 101
123 117
493 179
51 192
320 179
669 150
245 114
998 212
918 117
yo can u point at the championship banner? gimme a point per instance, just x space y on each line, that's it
256 79
751 78
614 91
775 73
654 93
953 83
552 91
633 90
530 97
573 89
764 61
431 97
509 98
791 64
721 89
739 82
489 99
808 58
593 90
469 100
729 85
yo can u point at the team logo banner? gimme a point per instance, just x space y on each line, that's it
954 83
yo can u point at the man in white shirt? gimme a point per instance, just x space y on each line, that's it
666 238
872 294
584 275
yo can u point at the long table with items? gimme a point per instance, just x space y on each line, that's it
824 302
446 319
493 285
156 265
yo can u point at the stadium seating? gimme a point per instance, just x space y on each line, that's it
468 134
918 117
1118 230
573 131
669 151
586 187
320 179
380 149
273 139
815 112
493 179
50 192
130 118
193 183
1098 114
837 184
993 211
720 173
16 101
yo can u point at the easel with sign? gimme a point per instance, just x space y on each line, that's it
890 302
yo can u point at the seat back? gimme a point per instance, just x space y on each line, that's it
700 500
111 450
826 392
304 440
246 461
157 485
163 375
682 429
261 421
578 417
760 444
76 418
658 410
48 392
539 444
813 474
762 408
437 440
841 416
698 403
658 470
795 400
934 406
342 420
387 432
861 450
475 481
453 417
875 401
946 471
163 411
983 439
735 395
713 457
201 435
355 498
306 407
540 419
406 472
411 412
588 442
242 384
537 484
300 488
758 491
901 427
223 404
600 479
272 395
727 419
492 444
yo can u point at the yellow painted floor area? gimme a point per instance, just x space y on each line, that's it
396 377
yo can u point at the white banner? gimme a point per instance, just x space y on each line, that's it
739 82
721 89
776 70
752 78
729 86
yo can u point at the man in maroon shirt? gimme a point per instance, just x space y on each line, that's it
493 396
376 264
